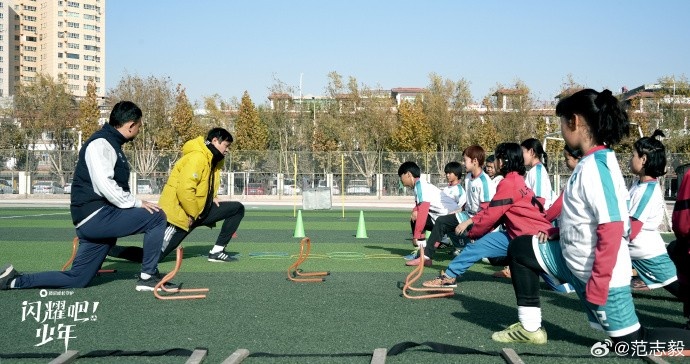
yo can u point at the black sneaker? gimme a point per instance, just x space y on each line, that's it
7 274
148 285
221 257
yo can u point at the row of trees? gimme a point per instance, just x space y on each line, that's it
358 121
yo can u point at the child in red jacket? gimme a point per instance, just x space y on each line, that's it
514 205
679 250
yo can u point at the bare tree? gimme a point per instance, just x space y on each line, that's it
674 101
48 113
363 118
512 113
155 97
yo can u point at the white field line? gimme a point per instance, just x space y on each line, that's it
36 215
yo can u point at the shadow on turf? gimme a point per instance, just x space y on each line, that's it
395 251
496 317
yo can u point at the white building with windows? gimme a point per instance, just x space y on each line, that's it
64 39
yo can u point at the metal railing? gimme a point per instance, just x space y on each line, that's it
276 172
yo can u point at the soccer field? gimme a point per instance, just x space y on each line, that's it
252 305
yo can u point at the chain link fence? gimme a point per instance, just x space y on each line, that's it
274 172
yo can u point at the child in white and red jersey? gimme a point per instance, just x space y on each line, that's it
442 233
430 202
647 208
592 251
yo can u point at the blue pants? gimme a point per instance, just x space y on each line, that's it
96 236
491 245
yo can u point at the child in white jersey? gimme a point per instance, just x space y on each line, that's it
647 208
490 169
442 234
478 186
430 202
538 176
592 252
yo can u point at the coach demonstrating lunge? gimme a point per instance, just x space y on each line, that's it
103 209
190 198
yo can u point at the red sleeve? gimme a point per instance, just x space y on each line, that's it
555 210
420 223
605 256
484 205
681 210
487 218
635 228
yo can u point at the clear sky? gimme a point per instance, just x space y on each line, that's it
229 46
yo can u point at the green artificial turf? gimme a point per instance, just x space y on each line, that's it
252 305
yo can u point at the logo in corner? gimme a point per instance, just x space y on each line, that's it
600 349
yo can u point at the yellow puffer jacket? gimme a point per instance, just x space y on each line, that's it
185 192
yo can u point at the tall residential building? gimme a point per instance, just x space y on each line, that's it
4 48
63 39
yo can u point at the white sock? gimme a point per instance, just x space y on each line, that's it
144 276
217 249
530 317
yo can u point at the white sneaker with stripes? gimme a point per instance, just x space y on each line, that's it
221 257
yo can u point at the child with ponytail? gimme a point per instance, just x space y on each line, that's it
591 249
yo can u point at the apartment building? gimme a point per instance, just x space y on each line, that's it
4 49
64 39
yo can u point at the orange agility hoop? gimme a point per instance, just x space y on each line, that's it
168 277
414 276
297 275
75 245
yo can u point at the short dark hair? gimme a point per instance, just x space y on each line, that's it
124 112
475 152
655 151
219 133
490 159
454 168
511 155
411 167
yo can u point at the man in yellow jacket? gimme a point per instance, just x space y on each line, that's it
189 198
